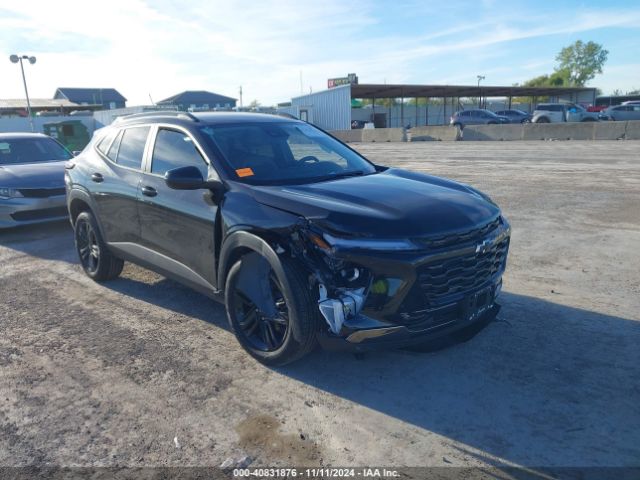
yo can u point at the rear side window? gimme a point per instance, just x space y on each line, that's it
132 147
175 149
106 141
113 149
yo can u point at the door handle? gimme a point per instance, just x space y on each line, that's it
149 191
97 177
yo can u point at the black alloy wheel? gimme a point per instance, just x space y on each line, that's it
96 259
271 308
88 248
264 332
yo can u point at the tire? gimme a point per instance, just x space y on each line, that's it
543 120
96 259
302 315
589 120
525 120
492 123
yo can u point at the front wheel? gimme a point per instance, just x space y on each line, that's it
95 258
271 311
543 120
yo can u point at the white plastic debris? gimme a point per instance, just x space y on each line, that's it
176 442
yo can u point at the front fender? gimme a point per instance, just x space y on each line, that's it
242 241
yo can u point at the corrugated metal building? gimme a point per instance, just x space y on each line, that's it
329 109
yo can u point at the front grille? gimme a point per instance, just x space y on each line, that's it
459 237
42 214
461 274
41 192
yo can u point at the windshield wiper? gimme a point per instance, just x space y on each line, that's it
355 173
336 176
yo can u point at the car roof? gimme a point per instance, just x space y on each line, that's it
14 135
204 118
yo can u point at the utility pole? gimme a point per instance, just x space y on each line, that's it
240 96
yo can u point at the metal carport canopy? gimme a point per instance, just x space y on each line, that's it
413 91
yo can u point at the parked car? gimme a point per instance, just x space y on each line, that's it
562 112
31 179
629 111
631 102
515 116
302 238
476 117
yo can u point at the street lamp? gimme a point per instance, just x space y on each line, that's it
480 77
32 60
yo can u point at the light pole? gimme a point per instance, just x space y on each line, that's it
480 78
32 60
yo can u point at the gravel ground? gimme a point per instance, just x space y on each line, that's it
144 372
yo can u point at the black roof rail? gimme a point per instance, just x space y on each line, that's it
158 113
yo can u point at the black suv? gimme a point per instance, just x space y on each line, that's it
303 238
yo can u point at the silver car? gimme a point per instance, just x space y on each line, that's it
32 186
627 111
476 117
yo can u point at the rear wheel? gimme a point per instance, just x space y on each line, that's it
272 314
543 120
95 258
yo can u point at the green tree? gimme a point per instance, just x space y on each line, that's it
581 62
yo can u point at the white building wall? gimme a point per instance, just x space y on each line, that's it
21 124
329 109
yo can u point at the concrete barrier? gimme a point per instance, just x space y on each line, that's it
493 132
433 134
383 135
348 136
609 131
528 131
559 131
632 130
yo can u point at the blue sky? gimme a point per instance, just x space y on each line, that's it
160 48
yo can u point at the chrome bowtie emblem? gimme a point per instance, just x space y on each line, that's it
483 247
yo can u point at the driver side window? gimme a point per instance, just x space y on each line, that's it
175 149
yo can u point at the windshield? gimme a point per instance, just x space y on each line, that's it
31 150
284 153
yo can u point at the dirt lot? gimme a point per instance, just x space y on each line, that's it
142 371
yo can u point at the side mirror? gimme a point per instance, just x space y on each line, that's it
190 178
184 178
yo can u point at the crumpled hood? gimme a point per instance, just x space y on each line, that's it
33 175
392 204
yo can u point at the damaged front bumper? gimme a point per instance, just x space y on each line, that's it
414 297
400 335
